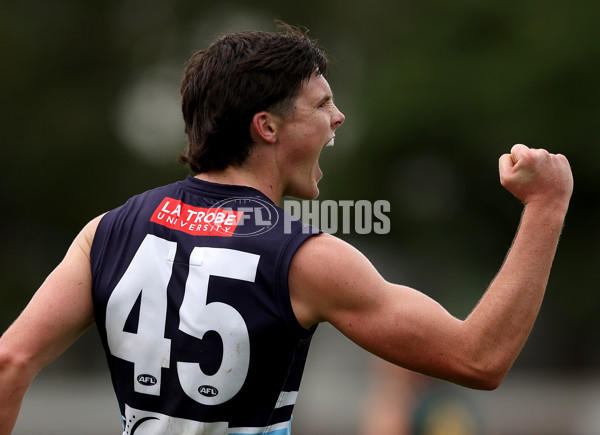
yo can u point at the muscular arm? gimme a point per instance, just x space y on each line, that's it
59 312
331 281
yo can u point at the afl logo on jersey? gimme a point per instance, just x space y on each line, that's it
208 391
256 215
146 380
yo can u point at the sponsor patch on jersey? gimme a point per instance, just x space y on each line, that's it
197 221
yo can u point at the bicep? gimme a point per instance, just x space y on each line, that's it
334 282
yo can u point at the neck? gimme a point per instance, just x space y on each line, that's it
243 176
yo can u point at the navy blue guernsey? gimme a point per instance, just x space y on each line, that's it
191 298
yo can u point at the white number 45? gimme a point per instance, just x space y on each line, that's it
148 349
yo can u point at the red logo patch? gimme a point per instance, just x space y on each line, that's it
197 221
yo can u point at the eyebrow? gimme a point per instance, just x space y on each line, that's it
327 98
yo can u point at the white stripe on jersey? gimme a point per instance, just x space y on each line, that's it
141 422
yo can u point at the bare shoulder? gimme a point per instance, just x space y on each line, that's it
86 236
325 249
82 244
326 275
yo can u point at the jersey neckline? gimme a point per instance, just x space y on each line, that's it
223 190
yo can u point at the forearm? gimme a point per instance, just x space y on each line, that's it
15 378
503 319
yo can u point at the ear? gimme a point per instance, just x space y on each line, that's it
265 126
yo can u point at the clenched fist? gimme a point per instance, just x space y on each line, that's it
537 177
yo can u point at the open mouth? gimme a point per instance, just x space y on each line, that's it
330 143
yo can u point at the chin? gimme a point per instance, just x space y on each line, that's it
306 188
314 192
306 194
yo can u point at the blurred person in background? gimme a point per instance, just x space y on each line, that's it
206 313
403 402
391 400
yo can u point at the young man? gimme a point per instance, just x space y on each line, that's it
206 313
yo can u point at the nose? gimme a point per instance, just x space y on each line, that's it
338 118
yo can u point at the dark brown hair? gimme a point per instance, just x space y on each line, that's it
237 76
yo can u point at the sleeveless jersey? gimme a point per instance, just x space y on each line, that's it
191 298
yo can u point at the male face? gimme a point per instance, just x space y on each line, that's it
304 133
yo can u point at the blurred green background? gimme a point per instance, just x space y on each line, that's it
433 93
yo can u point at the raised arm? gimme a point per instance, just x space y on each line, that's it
59 312
331 281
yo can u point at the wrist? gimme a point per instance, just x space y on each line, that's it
548 215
